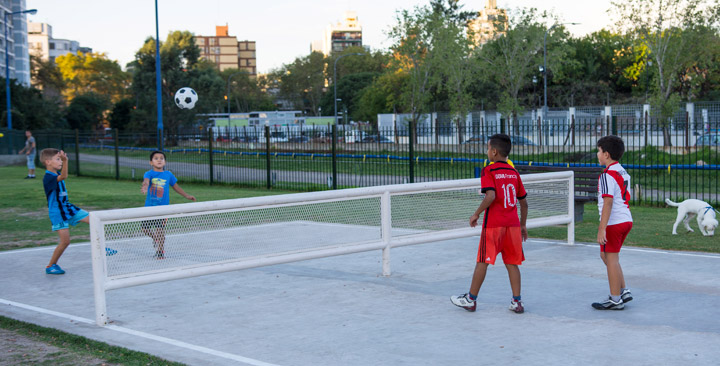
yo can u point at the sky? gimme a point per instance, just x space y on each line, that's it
283 29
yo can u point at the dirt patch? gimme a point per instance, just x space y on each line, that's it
38 242
20 350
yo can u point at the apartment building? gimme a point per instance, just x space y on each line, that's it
341 35
16 42
227 52
483 28
43 45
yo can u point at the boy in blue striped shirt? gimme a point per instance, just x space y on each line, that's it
63 214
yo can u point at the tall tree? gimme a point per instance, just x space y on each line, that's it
671 30
511 60
92 73
46 76
412 43
181 67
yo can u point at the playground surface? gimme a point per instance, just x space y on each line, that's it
341 310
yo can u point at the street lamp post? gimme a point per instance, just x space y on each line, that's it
7 69
335 80
158 81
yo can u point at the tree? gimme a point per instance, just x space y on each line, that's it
245 92
92 73
671 30
511 59
380 97
121 114
303 82
30 110
181 67
86 111
45 76
452 53
412 37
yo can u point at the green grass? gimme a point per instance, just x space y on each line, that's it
75 346
652 228
24 220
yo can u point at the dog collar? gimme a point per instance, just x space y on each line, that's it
707 209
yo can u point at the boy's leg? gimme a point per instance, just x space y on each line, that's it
478 278
615 274
515 278
605 260
64 235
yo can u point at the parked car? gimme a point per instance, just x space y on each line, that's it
708 140
480 139
278 136
376 139
245 139
223 139
299 139
519 140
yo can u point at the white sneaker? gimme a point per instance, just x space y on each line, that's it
609 304
516 306
463 301
626 296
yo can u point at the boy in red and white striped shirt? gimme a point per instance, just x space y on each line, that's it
615 219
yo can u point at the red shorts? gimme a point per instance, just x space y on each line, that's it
616 235
505 240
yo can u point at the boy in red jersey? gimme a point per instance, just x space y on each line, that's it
615 219
502 231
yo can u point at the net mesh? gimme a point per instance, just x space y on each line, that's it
202 238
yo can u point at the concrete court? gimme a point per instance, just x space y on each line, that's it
341 311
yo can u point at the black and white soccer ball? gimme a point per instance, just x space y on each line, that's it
185 98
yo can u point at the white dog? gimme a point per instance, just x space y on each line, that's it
689 208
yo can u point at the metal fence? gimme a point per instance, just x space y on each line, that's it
677 160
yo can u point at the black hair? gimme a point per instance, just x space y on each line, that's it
613 145
152 154
502 143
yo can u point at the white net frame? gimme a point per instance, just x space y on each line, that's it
220 236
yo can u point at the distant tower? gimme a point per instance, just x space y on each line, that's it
484 26
343 34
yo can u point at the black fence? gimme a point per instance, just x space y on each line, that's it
676 163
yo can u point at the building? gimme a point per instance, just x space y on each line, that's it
43 45
490 23
226 52
338 37
17 42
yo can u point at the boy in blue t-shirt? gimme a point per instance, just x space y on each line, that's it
155 184
63 214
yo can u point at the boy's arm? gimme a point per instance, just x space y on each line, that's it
64 171
489 198
177 189
145 185
523 218
604 218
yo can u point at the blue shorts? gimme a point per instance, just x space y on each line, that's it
72 222
31 161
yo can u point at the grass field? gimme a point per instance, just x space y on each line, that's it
24 221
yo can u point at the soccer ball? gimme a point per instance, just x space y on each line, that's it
185 98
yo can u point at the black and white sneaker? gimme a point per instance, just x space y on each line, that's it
609 304
464 302
626 296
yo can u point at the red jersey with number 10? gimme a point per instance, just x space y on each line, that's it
505 181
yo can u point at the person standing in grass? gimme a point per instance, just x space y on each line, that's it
63 214
29 150
615 219
154 186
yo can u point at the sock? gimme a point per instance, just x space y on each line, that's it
623 290
615 298
472 297
516 298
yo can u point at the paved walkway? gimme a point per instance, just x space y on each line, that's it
341 311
